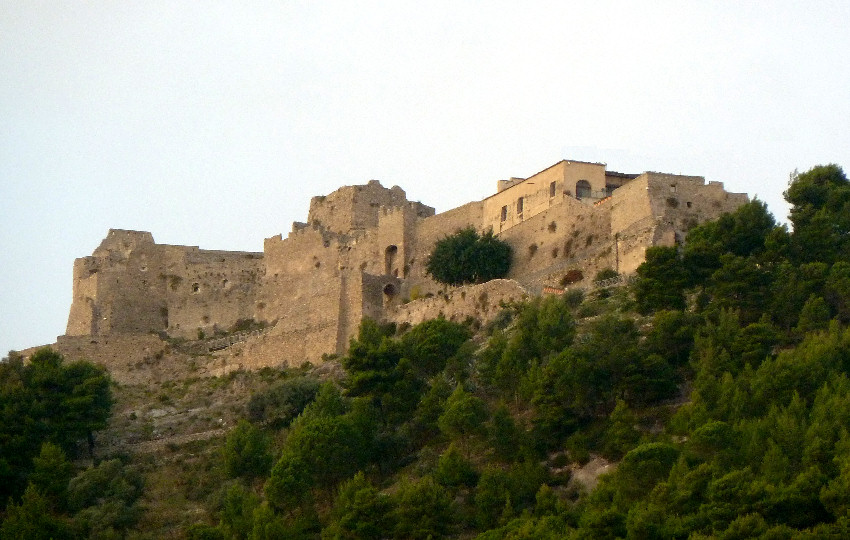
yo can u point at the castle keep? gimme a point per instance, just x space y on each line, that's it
362 253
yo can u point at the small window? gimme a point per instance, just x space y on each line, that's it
504 213
689 204
519 205
672 188
583 189
552 189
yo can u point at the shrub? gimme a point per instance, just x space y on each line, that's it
467 257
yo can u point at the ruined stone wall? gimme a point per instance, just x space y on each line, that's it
133 285
632 223
358 207
118 288
480 302
301 288
571 236
209 291
124 355
685 201
363 254
83 314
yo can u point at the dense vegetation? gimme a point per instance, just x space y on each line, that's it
467 257
48 407
719 384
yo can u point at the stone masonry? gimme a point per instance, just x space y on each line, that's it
362 253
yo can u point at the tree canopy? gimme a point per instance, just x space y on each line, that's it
46 400
467 257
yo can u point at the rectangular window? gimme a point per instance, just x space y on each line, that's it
552 189
504 213
519 206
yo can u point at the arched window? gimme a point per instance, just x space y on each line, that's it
389 259
582 189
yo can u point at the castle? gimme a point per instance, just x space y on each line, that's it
362 253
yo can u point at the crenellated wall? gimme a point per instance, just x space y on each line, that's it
362 253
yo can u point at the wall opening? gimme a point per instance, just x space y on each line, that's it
196 287
582 189
504 215
389 259
519 205
552 189
389 289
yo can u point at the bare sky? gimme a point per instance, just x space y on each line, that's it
213 123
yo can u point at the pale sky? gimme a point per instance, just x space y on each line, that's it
213 123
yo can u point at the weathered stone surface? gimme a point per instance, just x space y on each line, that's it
361 254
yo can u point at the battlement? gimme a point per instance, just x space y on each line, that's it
357 207
362 253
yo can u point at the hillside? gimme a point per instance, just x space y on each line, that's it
712 391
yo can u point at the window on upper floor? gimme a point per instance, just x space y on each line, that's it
504 215
582 189
552 189
519 205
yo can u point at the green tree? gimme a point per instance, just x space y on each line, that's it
278 406
814 316
837 290
51 474
329 442
820 213
424 510
672 336
32 518
453 470
104 499
662 279
504 436
360 512
464 415
237 513
620 435
246 452
430 344
46 400
467 257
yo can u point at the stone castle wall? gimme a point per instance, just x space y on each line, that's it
363 253
132 285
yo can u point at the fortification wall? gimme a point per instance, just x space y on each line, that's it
685 201
210 290
363 254
384 248
126 356
480 302
133 285
81 318
566 238
358 207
